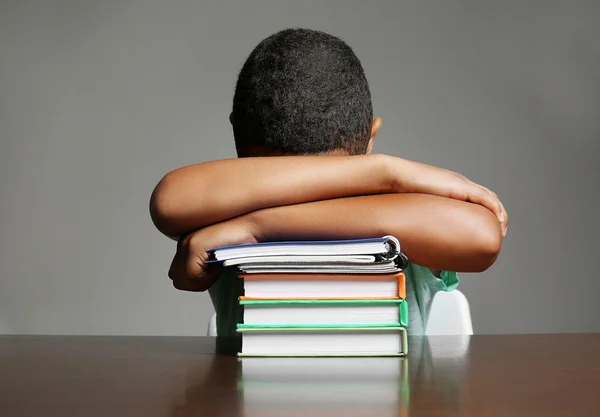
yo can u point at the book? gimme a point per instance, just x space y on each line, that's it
323 286
323 341
282 267
278 260
326 313
384 248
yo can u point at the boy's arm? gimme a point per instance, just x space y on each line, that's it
436 232
196 196
199 195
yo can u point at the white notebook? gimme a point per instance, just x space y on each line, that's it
386 247
301 260
249 266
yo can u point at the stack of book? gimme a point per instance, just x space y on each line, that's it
321 298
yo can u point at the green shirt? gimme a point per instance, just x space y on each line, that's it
421 286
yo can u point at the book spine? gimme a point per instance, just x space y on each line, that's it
403 313
401 286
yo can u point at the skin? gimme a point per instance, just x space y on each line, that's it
443 220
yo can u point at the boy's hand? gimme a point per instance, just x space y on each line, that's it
189 271
415 177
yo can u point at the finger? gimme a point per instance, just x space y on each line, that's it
187 275
462 177
176 268
179 272
505 222
185 264
485 197
189 285
494 199
501 213
181 281
493 203
482 196
200 283
192 285
194 267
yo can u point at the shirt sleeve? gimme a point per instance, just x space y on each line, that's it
447 281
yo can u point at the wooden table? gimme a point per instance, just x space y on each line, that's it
508 375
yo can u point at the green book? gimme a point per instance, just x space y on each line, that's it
324 313
323 341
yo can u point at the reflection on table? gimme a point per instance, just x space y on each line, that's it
385 386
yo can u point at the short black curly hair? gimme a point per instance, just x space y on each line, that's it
303 92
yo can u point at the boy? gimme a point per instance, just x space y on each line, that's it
304 128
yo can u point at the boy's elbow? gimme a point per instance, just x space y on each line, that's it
488 251
488 240
175 211
162 210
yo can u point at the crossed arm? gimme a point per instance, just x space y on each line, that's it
443 221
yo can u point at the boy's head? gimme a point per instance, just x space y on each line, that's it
302 92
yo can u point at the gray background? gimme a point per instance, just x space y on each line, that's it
99 99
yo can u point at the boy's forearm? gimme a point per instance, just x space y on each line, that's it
200 195
436 232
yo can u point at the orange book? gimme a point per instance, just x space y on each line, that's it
323 286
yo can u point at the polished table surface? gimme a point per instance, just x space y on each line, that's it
482 375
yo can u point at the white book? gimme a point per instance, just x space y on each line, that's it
300 260
334 341
282 313
386 247
323 286
318 268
